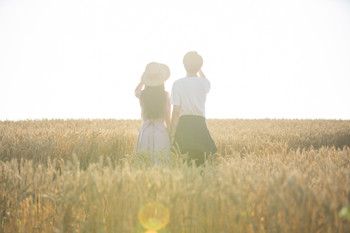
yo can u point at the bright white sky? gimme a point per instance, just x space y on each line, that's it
265 59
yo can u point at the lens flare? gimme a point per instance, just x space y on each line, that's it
154 216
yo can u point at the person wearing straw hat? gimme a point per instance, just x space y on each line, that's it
189 131
153 137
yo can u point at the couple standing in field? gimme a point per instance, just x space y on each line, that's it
186 128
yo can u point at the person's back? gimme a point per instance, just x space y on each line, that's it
191 93
189 130
153 138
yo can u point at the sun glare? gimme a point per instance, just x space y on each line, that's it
154 216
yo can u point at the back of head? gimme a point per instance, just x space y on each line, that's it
193 62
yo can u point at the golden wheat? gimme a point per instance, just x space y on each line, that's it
82 176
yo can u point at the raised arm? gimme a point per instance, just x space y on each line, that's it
138 89
201 74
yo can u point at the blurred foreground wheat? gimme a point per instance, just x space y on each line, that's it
82 176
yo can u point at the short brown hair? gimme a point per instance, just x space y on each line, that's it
192 62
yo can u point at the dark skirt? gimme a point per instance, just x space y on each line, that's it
192 134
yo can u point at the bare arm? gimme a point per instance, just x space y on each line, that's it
201 74
139 87
175 120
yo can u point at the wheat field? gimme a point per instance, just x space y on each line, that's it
269 176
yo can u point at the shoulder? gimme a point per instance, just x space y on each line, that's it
179 82
205 84
205 81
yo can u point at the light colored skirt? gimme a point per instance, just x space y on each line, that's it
153 140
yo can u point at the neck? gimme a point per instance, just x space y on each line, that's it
191 74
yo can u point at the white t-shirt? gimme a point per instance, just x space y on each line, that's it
190 93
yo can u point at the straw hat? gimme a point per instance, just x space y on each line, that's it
155 74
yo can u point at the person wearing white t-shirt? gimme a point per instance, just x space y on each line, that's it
189 131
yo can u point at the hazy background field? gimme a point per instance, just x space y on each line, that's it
268 176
